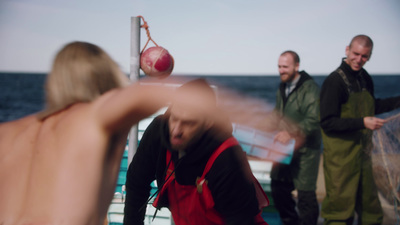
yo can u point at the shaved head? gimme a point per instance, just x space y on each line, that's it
363 40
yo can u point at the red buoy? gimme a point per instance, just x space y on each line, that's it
156 62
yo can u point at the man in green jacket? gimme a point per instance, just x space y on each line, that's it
297 100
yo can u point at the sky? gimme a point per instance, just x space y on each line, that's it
205 37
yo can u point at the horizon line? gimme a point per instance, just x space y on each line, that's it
208 74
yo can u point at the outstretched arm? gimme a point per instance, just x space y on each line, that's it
124 107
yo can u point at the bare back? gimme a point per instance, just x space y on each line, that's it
61 170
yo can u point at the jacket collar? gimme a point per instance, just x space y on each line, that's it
304 76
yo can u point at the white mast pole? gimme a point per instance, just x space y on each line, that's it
134 76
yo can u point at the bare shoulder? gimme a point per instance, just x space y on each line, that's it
15 124
12 128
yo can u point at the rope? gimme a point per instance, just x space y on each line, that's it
396 199
146 26
386 166
392 117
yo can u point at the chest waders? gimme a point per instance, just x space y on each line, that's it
349 181
194 204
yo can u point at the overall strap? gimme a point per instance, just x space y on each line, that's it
170 166
346 81
226 144
169 177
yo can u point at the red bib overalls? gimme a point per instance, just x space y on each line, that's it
194 205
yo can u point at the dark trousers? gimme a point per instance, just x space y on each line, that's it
307 204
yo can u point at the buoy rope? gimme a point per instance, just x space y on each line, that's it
146 27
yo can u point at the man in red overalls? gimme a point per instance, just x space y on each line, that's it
202 173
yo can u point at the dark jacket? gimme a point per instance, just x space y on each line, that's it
334 93
228 179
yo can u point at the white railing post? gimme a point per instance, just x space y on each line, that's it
134 76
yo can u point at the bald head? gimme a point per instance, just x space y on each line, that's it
362 40
294 55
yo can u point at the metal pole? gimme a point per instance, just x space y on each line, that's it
134 76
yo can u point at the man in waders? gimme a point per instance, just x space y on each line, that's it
202 173
347 109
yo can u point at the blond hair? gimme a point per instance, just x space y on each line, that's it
81 72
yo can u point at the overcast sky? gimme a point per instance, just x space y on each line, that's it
204 36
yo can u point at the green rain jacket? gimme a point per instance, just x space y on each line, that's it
301 107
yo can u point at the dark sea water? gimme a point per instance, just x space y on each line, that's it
22 94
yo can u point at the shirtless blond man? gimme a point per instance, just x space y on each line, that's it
60 166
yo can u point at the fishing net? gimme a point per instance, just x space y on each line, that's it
386 161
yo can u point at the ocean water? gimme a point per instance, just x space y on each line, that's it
22 94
